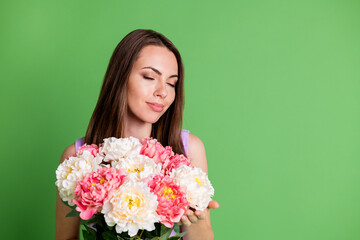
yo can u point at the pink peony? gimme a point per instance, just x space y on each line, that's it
165 155
153 149
94 189
175 162
93 149
172 201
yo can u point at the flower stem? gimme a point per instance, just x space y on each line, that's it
141 233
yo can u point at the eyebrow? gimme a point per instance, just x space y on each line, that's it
159 73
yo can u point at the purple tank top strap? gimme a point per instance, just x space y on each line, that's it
78 143
185 139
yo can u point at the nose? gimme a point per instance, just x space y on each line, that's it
160 90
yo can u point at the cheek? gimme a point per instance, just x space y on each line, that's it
172 98
137 93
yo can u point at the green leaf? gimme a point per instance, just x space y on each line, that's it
89 234
124 236
73 213
88 222
158 229
67 204
148 235
109 235
165 232
178 236
176 228
97 220
85 234
90 230
84 222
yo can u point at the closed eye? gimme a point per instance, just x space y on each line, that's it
146 77
172 85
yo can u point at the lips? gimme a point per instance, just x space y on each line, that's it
157 107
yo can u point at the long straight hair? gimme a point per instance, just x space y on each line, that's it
107 119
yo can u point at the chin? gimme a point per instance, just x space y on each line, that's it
150 116
153 120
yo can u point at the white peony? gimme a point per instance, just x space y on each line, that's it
138 167
72 170
131 207
196 185
115 149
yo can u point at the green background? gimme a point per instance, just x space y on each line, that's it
272 89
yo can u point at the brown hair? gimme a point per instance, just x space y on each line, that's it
108 116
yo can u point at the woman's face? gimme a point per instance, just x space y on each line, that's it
151 86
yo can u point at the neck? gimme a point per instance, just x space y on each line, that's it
136 129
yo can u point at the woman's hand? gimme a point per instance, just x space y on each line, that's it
191 216
213 204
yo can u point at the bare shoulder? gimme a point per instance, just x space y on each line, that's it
196 146
70 150
197 152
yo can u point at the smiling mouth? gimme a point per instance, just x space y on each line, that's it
155 106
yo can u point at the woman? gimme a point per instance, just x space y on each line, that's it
143 95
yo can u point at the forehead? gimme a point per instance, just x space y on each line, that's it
158 57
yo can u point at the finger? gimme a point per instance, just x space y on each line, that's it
185 221
213 204
200 214
192 217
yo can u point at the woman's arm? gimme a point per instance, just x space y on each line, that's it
66 228
198 227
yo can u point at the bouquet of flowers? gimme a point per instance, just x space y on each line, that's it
131 189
